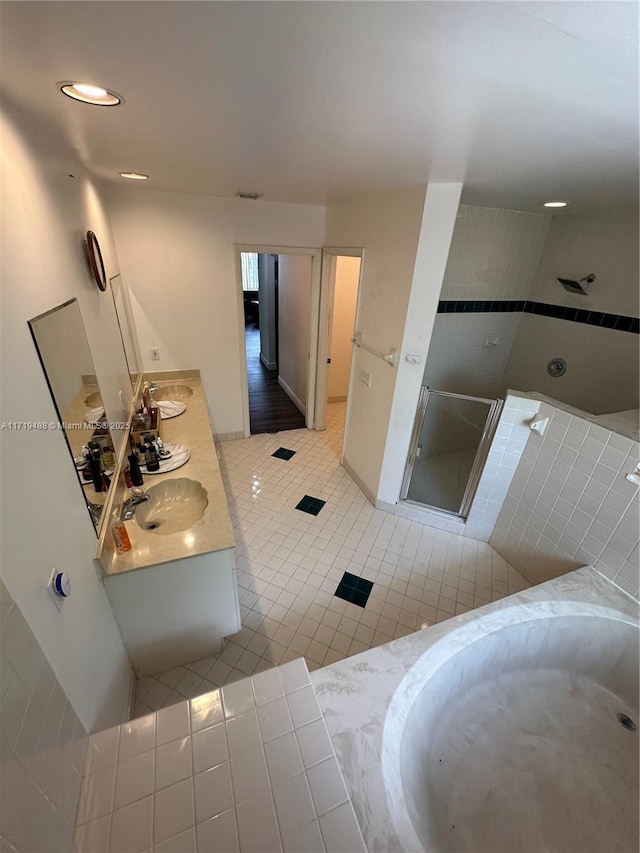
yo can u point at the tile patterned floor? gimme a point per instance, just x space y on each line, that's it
289 564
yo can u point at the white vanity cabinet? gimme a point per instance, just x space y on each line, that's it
175 596
177 612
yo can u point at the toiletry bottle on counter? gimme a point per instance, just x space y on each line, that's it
146 396
153 463
96 469
134 470
121 537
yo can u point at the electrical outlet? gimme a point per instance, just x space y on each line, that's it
365 378
155 353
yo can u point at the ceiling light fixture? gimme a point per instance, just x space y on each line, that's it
134 176
252 196
87 93
556 203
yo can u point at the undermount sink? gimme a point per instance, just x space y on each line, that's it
178 393
173 506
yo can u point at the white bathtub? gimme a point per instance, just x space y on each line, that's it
504 737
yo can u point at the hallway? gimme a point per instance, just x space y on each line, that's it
270 409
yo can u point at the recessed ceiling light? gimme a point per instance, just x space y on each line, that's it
556 203
89 94
134 176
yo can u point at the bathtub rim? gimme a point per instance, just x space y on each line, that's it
439 654
354 694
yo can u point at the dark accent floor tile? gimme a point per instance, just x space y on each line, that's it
310 504
283 453
354 589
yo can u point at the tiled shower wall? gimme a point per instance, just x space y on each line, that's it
494 255
570 504
42 744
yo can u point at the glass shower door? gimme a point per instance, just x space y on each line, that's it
449 446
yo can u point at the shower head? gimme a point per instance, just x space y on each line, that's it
579 285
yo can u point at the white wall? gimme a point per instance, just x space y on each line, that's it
63 346
570 504
494 256
602 374
294 325
605 243
267 310
602 364
176 251
436 230
45 523
343 324
387 226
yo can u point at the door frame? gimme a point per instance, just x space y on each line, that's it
488 432
316 260
325 325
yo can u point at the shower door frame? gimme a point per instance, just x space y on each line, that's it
477 468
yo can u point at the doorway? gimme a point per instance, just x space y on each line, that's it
271 408
341 276
278 288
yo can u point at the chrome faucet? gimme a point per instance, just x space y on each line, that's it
95 510
129 506
153 388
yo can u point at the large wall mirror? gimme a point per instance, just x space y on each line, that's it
62 345
124 312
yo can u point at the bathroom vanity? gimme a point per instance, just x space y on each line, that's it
174 593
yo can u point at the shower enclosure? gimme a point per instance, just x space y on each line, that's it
449 446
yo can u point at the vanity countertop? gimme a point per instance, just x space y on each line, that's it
213 532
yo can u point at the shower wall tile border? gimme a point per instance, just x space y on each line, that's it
617 322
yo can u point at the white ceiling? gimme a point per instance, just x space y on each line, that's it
315 102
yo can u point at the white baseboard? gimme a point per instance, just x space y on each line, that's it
431 517
296 400
228 436
364 489
270 365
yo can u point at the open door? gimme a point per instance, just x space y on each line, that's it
305 364
339 298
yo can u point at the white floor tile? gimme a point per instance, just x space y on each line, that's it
173 763
213 792
131 828
219 833
173 810
134 780
289 564
209 748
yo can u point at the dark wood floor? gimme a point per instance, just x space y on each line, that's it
270 409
